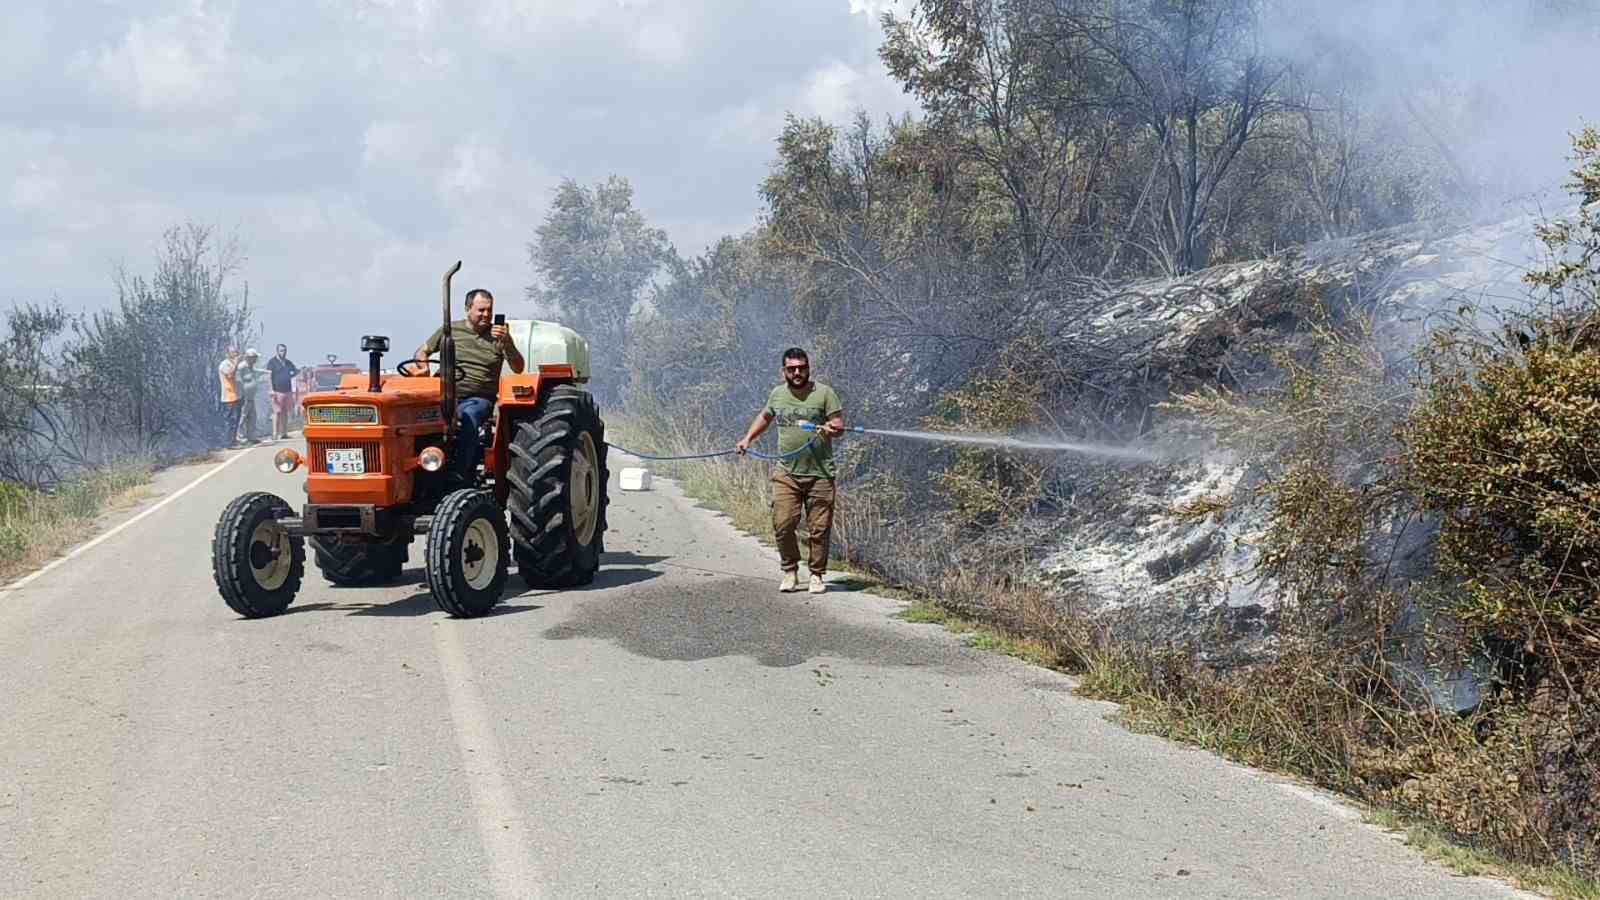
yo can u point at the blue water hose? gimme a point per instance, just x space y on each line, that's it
771 457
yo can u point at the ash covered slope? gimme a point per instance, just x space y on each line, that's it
1128 554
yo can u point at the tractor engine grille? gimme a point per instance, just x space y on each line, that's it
317 454
342 414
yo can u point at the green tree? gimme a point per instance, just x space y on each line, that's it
40 443
597 259
1027 134
715 328
1194 75
144 373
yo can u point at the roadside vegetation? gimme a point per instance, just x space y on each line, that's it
92 403
39 525
982 267
1482 437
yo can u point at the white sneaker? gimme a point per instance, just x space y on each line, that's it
791 582
817 587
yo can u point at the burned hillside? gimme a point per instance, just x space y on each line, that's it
1129 547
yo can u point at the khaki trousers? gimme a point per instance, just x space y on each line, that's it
791 496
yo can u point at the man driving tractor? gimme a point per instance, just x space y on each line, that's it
389 459
481 349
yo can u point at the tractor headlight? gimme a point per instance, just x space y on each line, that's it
286 460
431 459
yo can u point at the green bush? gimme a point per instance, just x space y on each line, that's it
1504 454
986 487
14 539
1321 442
1503 450
14 499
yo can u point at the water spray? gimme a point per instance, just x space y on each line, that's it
1000 442
938 437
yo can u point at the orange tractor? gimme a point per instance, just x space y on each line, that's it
378 476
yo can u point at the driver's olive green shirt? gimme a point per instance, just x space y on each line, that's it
479 356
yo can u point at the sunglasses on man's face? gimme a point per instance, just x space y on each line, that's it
795 368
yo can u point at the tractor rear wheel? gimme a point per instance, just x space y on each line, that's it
557 497
354 565
467 556
256 562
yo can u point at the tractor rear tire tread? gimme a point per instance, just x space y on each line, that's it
517 484
230 557
521 451
547 549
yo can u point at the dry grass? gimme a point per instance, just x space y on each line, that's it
1552 881
738 488
1287 717
130 498
199 458
36 527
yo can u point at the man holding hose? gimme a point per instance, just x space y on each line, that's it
804 480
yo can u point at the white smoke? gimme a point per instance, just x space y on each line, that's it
1493 87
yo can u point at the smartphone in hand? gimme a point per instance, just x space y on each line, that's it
499 318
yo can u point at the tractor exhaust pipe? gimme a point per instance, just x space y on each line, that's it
375 346
374 372
447 362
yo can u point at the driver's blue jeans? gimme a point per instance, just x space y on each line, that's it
474 411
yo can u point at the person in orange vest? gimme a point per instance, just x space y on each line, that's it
230 394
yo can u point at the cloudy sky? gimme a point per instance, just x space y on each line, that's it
357 147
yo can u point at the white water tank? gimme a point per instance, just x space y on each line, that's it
634 479
549 344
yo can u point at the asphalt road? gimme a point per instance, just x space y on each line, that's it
680 728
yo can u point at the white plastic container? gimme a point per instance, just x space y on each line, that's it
634 479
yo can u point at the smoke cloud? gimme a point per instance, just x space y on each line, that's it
1492 87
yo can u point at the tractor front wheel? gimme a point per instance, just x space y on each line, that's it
257 563
354 565
467 556
557 496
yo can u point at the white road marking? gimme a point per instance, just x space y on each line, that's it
85 548
500 824
505 837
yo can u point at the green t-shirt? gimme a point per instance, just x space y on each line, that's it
817 406
478 355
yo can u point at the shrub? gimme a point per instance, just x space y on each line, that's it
13 499
1320 440
986 487
1502 450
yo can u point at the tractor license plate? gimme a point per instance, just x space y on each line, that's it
346 462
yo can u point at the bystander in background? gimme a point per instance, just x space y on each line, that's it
248 378
283 372
230 394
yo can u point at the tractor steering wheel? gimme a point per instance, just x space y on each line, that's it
429 369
